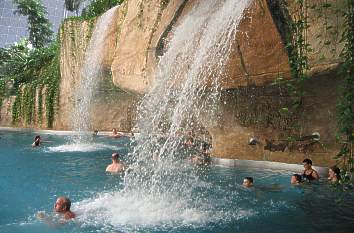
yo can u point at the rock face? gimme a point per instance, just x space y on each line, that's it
115 107
259 55
6 111
258 52
325 28
254 112
74 39
140 32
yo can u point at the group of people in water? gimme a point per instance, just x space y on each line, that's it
308 175
63 204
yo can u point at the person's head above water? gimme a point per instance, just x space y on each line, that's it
37 141
334 174
307 163
115 157
62 204
296 179
248 182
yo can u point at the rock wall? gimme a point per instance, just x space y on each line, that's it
74 39
6 111
140 32
259 55
30 112
254 112
112 107
325 28
258 52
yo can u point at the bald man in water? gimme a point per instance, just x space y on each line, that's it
62 206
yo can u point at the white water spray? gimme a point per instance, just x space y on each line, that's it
169 187
90 74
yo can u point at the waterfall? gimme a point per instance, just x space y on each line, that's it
90 72
196 55
160 188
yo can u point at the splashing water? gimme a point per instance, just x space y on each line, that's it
168 191
90 73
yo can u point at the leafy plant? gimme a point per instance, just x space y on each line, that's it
298 48
28 68
98 7
14 63
39 27
345 105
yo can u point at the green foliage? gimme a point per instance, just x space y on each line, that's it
98 7
20 64
38 25
345 105
51 78
31 68
298 47
16 109
13 63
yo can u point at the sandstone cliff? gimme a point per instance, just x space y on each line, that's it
112 107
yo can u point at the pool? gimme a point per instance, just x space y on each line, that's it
32 179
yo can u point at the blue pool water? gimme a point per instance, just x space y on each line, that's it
32 178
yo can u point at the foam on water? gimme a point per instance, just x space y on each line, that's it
81 147
129 210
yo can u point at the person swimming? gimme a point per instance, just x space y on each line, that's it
62 207
37 141
116 165
247 182
95 133
334 174
115 133
309 173
296 179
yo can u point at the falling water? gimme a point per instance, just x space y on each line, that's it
196 55
90 73
165 191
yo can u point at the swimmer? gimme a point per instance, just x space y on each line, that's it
37 141
334 174
247 182
95 133
62 207
116 165
115 134
309 173
296 179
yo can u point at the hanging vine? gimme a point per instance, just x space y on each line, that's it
298 49
346 103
